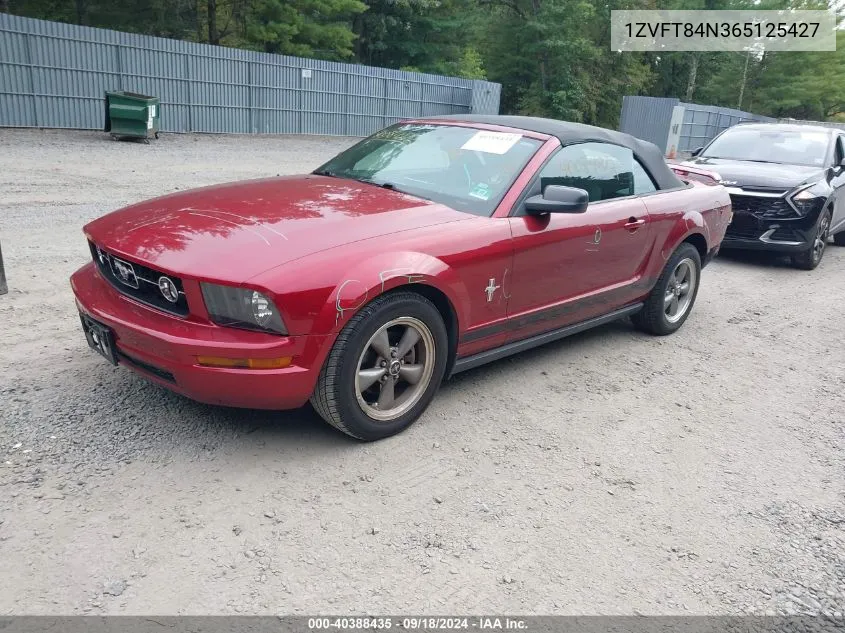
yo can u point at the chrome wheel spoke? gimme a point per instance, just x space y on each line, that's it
680 290
821 239
409 339
411 373
386 397
395 368
367 377
381 344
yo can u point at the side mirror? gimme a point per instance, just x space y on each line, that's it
558 199
696 151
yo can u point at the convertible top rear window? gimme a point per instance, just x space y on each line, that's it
465 168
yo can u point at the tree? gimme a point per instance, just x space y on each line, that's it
815 89
307 28
426 35
552 57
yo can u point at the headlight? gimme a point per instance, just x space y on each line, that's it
242 307
805 201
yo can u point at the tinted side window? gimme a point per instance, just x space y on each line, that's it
840 150
603 170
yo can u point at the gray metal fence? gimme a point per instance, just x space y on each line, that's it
650 118
55 75
647 118
702 123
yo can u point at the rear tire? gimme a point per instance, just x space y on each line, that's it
671 300
384 368
839 238
812 257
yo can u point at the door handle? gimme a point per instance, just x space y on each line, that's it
634 223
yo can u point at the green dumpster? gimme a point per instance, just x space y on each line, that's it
131 115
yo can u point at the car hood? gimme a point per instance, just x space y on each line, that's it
233 232
742 173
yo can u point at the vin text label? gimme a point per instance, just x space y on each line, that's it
753 31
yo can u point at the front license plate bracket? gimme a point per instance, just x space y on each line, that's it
100 338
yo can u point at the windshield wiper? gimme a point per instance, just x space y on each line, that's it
391 187
383 185
369 181
748 160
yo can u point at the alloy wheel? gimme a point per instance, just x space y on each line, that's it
395 368
820 242
680 290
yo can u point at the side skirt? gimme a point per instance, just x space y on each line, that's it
508 349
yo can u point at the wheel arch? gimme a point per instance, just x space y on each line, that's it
699 241
447 311
391 272
830 205
693 229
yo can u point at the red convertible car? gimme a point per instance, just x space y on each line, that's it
427 249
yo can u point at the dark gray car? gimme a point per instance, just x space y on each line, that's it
786 182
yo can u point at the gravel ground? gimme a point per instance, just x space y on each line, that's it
609 473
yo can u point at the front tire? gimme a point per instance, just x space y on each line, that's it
384 368
671 300
812 257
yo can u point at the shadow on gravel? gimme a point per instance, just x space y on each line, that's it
301 425
294 428
112 414
304 429
537 359
99 414
755 258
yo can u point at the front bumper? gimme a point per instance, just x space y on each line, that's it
747 231
164 349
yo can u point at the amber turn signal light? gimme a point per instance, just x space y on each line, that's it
245 363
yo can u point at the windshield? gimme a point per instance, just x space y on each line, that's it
791 147
465 168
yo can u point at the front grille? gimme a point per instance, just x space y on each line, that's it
744 226
742 234
139 282
762 207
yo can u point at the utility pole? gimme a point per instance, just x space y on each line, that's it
744 79
693 72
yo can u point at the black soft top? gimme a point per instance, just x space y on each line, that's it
570 133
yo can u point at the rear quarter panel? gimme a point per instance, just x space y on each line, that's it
675 215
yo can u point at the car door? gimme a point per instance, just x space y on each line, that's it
571 267
837 181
